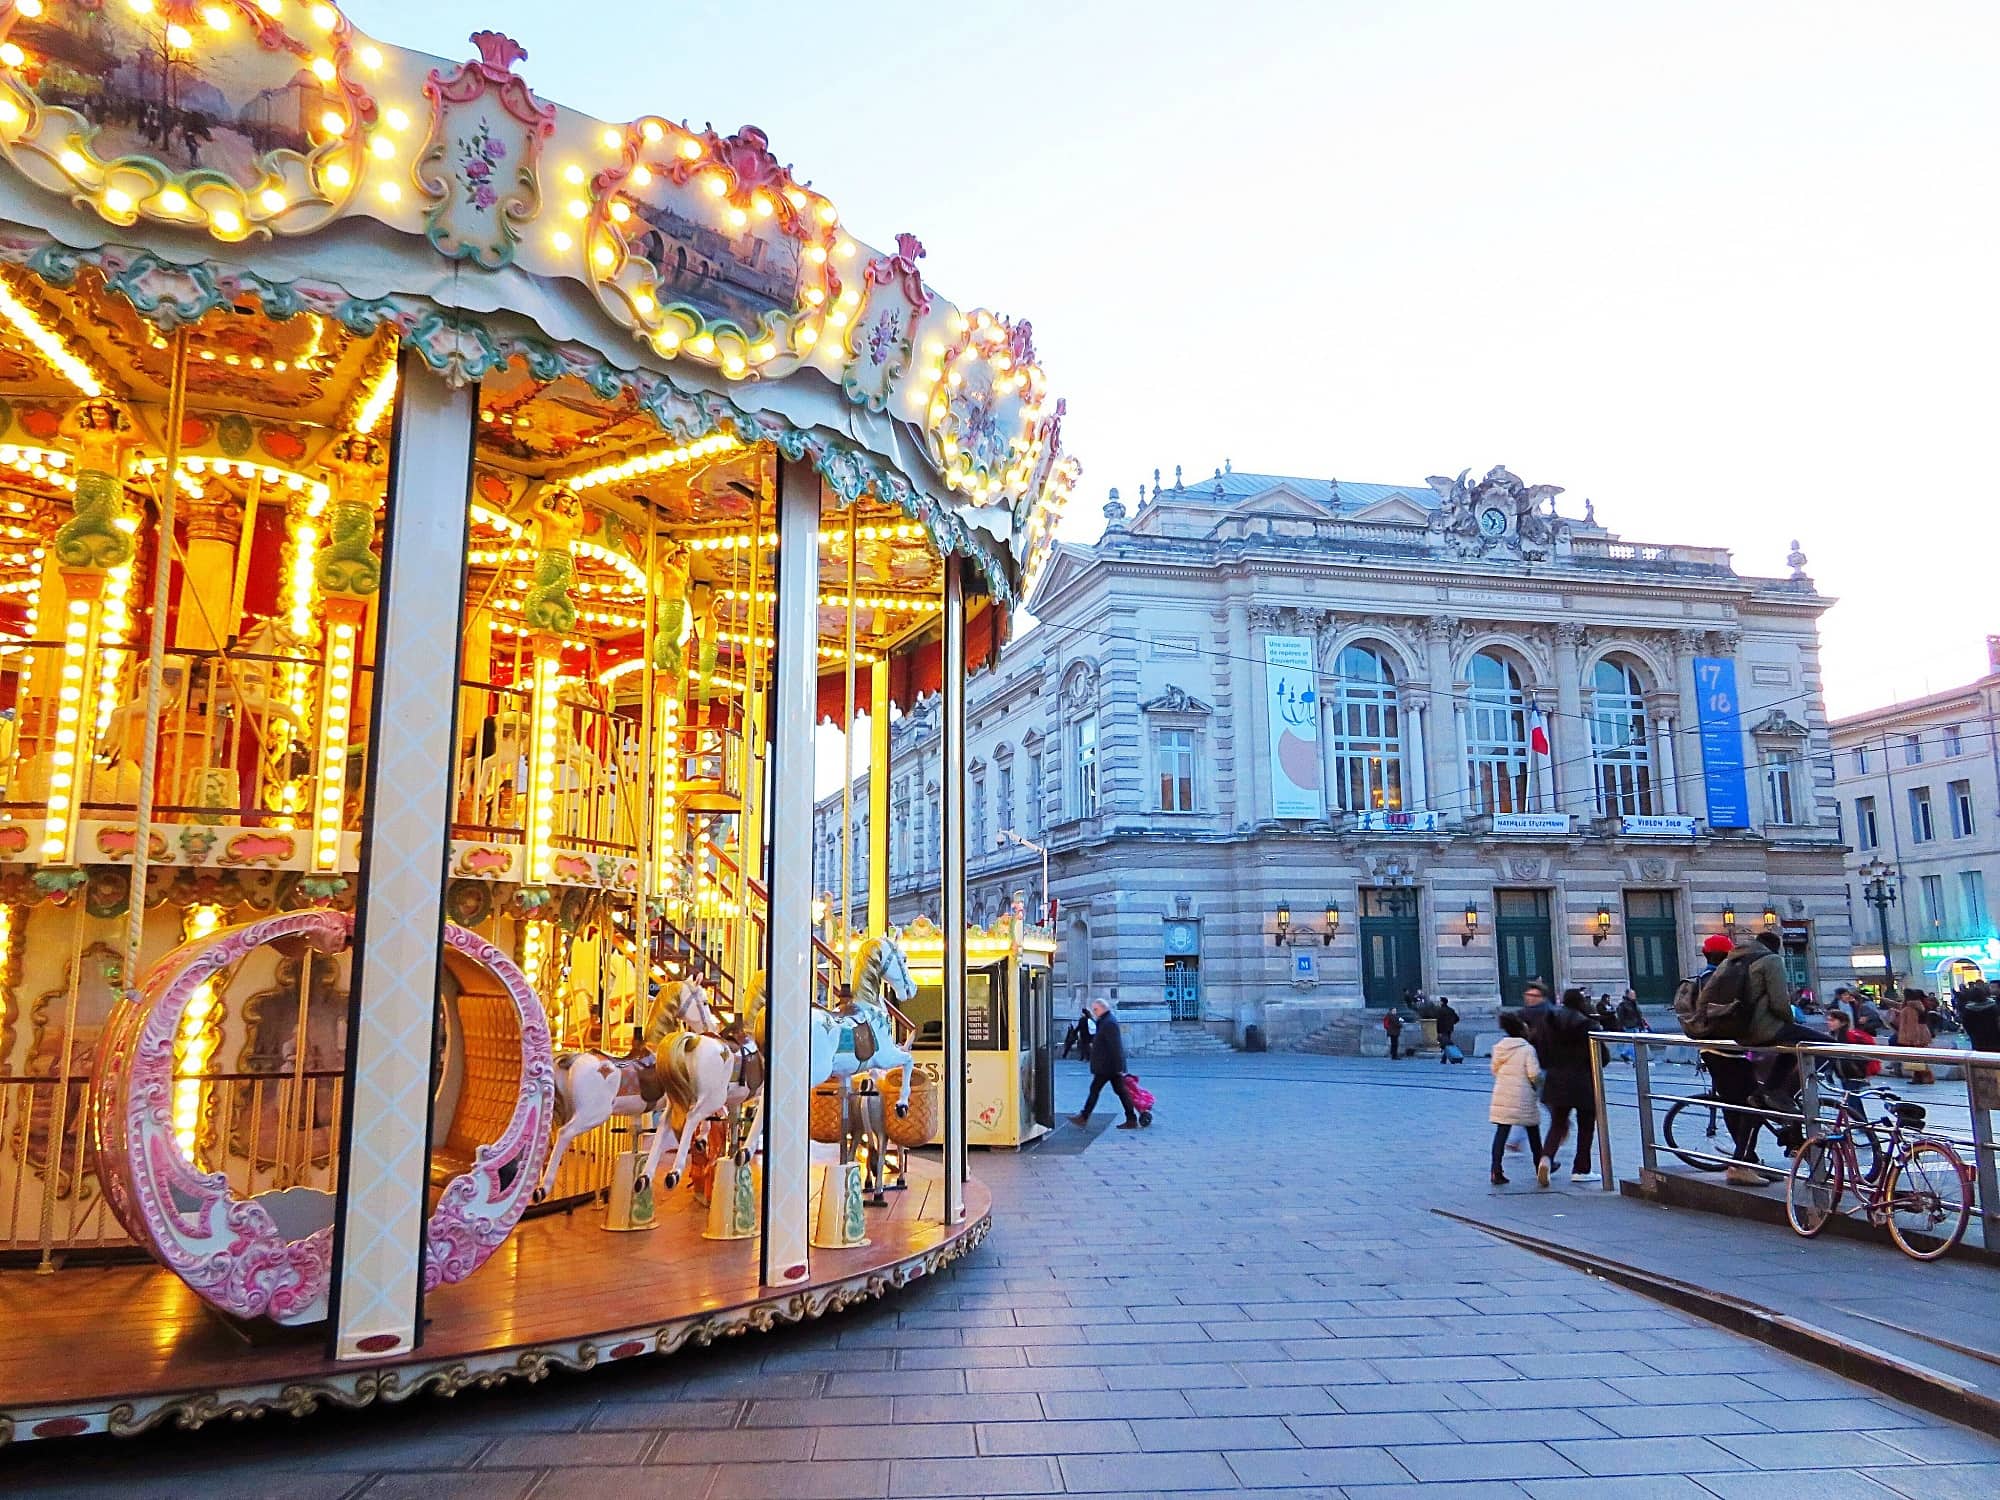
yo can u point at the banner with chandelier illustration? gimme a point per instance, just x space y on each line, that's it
1292 698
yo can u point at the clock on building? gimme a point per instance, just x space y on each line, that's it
1493 521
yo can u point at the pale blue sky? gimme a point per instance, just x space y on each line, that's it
1724 266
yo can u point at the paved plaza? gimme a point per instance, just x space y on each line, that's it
1255 1295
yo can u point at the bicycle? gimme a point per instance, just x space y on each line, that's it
1681 1116
1923 1197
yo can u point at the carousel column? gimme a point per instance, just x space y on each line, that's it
788 934
378 1249
878 797
952 853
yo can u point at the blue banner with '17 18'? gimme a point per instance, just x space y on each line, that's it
1720 720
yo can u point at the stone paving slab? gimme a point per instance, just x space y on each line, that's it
1195 1309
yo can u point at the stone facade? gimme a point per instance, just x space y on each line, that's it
1918 788
1416 646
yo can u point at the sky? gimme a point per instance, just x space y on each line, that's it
1724 267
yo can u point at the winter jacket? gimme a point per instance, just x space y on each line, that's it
1565 1058
1107 1050
1910 1028
1515 1074
1768 1007
1447 1021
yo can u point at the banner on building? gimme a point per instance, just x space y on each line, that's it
1719 717
1292 697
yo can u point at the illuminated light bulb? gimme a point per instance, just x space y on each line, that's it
117 200
338 176
828 214
691 149
178 37
737 218
733 364
391 193
396 119
10 112
715 184
577 208
271 7
604 255
371 57
561 240
611 139
816 254
382 146
808 336
324 17
72 162
140 7
29 8
703 345
620 212
573 175
216 16
845 249
640 176
226 220
323 69
645 304
273 200
764 206
333 122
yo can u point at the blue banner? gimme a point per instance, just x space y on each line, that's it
1720 720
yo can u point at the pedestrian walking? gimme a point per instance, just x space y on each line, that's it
1392 1023
1631 1018
1913 1030
1079 1033
1447 1024
1516 1071
1565 1059
1534 1010
1107 1065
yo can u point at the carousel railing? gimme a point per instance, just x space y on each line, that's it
262 1131
599 769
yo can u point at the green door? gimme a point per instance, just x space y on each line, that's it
1652 945
1527 951
1391 960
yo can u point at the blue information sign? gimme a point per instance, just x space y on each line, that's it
1720 720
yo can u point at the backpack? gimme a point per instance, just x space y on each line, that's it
1716 1007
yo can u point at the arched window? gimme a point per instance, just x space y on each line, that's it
1620 741
1366 733
1496 749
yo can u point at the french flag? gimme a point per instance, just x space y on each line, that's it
1538 732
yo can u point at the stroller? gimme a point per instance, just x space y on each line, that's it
1142 1098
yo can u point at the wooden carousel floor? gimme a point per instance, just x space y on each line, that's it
85 1341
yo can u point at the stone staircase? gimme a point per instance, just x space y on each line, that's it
1358 1033
1181 1041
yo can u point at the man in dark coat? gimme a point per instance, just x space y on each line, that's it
1107 1065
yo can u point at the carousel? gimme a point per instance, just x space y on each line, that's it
433 523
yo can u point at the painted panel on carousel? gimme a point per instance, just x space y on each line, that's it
985 414
235 115
479 167
882 343
704 245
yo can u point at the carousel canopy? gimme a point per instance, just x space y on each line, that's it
172 157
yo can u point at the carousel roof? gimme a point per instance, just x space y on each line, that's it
199 154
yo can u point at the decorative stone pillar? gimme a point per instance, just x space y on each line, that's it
1660 714
1445 778
1694 795
1545 772
1246 710
1416 705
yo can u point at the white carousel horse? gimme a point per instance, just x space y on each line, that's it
859 1039
677 1070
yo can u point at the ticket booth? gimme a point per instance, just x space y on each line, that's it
1009 1020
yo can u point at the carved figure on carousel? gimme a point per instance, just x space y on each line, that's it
679 1068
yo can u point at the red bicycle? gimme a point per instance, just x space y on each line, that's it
1922 1194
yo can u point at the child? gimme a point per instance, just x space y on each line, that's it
1515 1074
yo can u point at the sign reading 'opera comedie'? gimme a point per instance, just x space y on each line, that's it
1292 700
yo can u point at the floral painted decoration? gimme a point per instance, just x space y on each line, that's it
479 166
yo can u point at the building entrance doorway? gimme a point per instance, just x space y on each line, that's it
1652 946
1391 951
1184 989
1527 950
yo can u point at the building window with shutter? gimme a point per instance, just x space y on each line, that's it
1174 762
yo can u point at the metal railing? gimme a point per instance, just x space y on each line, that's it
1980 1078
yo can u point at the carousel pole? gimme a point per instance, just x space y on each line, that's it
652 768
749 784
376 1296
847 764
788 933
952 855
878 796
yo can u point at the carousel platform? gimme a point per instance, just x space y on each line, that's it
123 1349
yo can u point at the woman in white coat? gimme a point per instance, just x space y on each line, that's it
1515 1074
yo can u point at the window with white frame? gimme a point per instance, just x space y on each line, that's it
1866 835
1083 780
1620 741
1366 730
1173 763
1496 749
1972 898
1960 796
1860 760
1782 788
1923 828
1954 740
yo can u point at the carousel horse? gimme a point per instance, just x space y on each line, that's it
857 1040
677 1069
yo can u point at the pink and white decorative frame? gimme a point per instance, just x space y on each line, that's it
985 420
479 167
882 342
230 1250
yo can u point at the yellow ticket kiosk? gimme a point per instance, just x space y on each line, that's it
1010 1098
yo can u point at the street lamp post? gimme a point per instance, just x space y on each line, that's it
1879 891
1008 836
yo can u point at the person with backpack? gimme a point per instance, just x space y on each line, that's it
1565 1059
1630 1018
1447 1025
1392 1024
1515 1074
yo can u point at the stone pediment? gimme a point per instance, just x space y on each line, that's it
1779 725
1394 509
1282 500
1176 700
